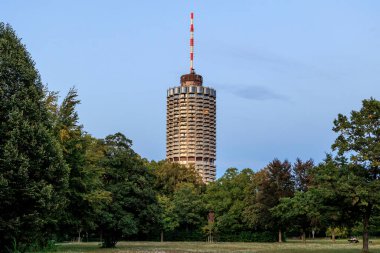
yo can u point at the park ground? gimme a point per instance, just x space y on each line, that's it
291 246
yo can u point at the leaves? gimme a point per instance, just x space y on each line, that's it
133 207
33 174
360 136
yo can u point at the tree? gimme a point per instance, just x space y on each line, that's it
133 208
169 175
302 175
274 182
226 197
334 183
359 138
85 194
300 211
188 206
33 175
169 219
178 187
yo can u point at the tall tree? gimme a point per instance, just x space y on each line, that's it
275 182
359 138
179 190
33 175
188 206
168 218
170 175
226 197
335 184
302 211
302 174
85 194
133 208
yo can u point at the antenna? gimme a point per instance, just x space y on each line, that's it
191 42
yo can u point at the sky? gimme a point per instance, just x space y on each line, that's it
283 70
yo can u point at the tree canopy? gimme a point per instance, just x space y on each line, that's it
359 140
33 173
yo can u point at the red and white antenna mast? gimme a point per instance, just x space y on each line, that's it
191 42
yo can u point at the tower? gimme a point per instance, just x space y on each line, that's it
191 121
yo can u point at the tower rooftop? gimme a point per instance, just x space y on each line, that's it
191 79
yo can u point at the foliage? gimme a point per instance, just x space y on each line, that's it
359 136
210 230
359 139
341 232
274 182
82 154
133 207
302 174
170 175
301 211
33 174
334 182
188 206
226 197
169 218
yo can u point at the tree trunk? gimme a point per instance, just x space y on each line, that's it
313 233
366 217
162 235
79 232
279 235
303 235
333 234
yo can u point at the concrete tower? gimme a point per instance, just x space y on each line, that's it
191 122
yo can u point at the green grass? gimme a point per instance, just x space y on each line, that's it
292 246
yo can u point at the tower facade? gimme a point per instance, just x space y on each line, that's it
191 122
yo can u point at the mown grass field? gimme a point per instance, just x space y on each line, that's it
316 246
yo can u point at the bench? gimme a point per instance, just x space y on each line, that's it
353 240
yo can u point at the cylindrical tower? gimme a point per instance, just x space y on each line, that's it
191 125
191 121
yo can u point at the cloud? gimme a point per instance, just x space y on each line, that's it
258 93
251 92
281 64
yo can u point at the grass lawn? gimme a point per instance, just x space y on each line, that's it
320 246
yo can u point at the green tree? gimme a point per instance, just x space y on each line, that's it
169 175
226 197
359 138
274 182
85 193
300 211
133 208
189 207
169 219
178 188
297 212
33 175
334 183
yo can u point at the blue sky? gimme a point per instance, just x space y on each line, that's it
282 69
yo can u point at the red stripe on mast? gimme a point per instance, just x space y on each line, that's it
191 42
